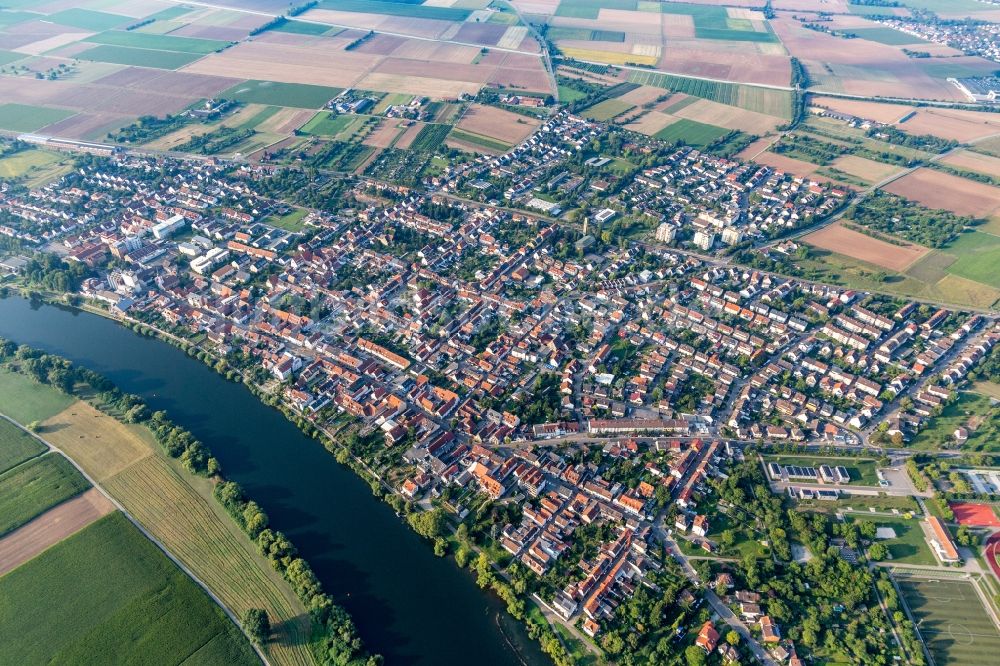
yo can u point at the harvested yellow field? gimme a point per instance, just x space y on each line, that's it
865 169
730 117
99 443
609 57
972 161
652 122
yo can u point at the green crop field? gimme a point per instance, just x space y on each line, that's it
88 20
107 595
776 103
585 34
171 13
9 18
909 545
297 95
325 123
390 8
607 109
24 118
479 140
589 9
691 132
303 28
35 486
25 400
124 55
978 257
886 36
862 470
142 40
953 623
7 57
430 137
16 446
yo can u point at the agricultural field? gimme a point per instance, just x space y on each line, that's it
777 103
607 109
476 142
935 189
25 400
953 623
839 238
181 513
24 118
281 94
498 124
908 546
125 55
16 446
65 608
32 487
691 132
52 526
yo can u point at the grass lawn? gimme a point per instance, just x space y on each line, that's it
862 503
909 546
16 446
862 470
325 123
25 118
568 94
88 19
125 55
25 400
34 166
179 510
297 95
968 405
978 257
691 132
31 488
64 607
290 222
141 40
952 621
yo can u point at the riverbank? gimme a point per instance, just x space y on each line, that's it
386 577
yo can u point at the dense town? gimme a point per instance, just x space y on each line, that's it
616 415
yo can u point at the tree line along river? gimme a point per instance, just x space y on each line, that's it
412 607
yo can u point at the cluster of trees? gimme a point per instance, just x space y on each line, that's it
545 401
218 140
50 272
895 215
148 128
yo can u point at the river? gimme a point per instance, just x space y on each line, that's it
414 608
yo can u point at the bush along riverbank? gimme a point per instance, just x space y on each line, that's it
335 638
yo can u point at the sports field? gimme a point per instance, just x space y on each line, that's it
952 620
976 515
35 486
909 545
107 595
